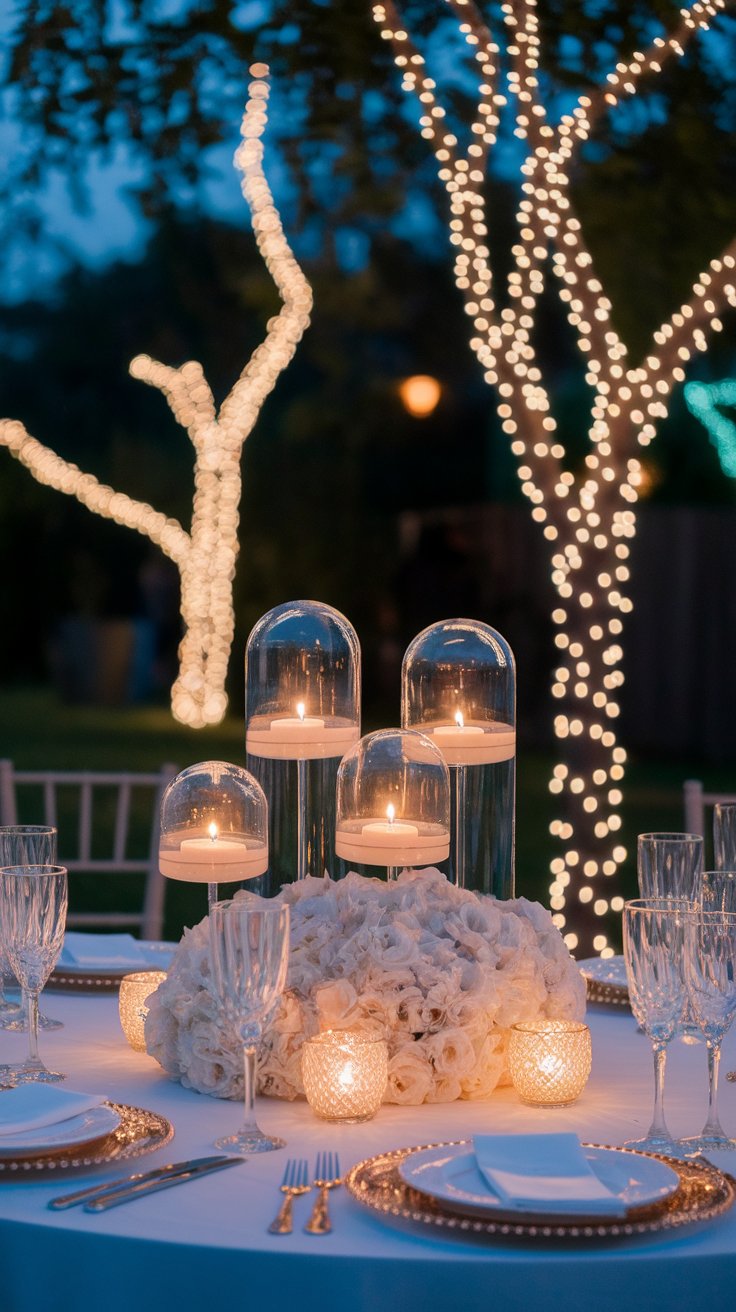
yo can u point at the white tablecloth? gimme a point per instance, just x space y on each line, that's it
205 1242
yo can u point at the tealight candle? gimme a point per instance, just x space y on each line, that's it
345 1074
135 990
549 1061
212 859
299 737
482 742
392 842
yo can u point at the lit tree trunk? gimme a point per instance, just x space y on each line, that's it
588 520
206 555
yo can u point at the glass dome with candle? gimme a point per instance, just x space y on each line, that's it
302 713
393 802
458 686
214 825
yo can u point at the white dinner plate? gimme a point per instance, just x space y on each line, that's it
156 956
612 970
84 1128
451 1175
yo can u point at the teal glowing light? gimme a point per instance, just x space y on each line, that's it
704 401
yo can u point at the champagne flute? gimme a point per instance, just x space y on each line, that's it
33 903
670 865
249 949
654 952
27 845
710 960
724 835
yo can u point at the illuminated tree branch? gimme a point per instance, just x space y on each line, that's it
206 555
588 518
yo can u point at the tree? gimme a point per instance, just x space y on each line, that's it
587 514
206 555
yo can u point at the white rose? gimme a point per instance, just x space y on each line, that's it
409 1076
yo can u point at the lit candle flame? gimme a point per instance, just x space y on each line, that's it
459 720
213 831
300 709
391 813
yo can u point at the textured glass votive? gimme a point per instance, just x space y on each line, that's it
549 1061
135 990
344 1074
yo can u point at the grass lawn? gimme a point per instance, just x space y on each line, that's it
37 731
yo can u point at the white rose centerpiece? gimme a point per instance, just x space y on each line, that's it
440 972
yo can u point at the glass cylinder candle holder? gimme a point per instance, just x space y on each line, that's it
458 686
549 1061
345 1074
393 802
135 990
214 826
302 714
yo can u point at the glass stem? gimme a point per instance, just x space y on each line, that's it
658 1127
33 1059
712 1125
459 871
302 855
249 1088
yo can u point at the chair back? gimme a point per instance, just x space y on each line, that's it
696 802
108 824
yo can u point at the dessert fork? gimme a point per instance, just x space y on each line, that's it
326 1177
295 1181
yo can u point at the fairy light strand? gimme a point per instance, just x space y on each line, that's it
588 519
205 556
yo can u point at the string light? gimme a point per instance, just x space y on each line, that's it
588 519
206 555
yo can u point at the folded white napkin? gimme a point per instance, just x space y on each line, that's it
543 1173
102 950
31 1106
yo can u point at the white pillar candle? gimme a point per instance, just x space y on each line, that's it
482 742
392 842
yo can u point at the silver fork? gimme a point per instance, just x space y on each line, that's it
295 1181
326 1177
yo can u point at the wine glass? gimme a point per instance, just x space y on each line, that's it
26 845
718 890
710 961
670 865
654 952
33 903
724 835
249 948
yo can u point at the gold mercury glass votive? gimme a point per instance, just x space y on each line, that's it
135 990
344 1074
549 1061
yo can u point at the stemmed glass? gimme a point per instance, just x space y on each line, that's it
724 835
33 903
654 951
669 865
249 949
26 845
710 960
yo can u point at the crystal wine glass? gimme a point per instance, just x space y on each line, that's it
249 948
26 845
654 951
718 890
670 865
710 959
724 835
33 903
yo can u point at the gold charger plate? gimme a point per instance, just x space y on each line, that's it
138 1133
74 979
605 980
703 1193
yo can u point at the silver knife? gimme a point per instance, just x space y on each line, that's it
114 1197
196 1165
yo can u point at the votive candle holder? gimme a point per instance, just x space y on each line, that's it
135 990
345 1074
549 1061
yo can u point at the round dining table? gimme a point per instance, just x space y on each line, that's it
206 1244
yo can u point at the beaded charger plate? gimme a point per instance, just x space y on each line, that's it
81 979
703 1192
606 980
138 1132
